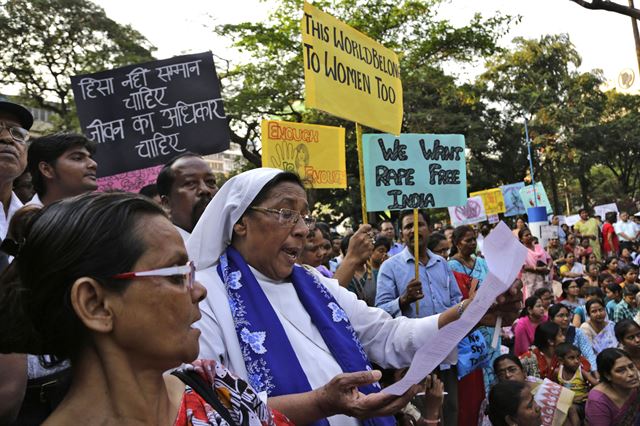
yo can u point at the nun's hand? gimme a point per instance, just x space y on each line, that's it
341 396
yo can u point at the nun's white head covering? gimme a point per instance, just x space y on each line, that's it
212 234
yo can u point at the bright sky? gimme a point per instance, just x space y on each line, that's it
603 39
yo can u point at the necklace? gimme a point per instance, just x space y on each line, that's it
468 268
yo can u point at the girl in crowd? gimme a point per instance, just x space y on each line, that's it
535 272
540 361
613 294
593 270
615 400
625 258
559 314
546 296
611 267
570 296
580 313
629 275
119 300
598 330
520 224
571 270
628 334
524 330
571 244
438 243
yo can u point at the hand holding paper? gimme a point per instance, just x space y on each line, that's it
505 256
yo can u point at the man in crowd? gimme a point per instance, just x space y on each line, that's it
590 228
627 231
186 184
61 166
15 122
388 231
435 291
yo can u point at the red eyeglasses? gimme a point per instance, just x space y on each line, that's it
186 274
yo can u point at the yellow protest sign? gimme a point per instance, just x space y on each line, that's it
492 199
349 75
315 153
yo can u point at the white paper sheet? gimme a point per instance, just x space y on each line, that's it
505 256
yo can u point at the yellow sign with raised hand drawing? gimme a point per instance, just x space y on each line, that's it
315 153
492 199
350 75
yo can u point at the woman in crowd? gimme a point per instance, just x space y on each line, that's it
524 330
571 270
315 251
546 297
119 299
560 315
438 243
245 247
540 361
580 313
598 330
593 270
610 243
520 224
628 334
555 251
571 244
615 400
625 258
462 256
611 267
511 403
535 272
570 296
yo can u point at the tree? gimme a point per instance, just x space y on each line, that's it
45 42
271 85
610 6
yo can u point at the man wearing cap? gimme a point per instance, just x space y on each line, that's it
15 122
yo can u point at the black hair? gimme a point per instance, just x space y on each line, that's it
610 217
583 210
545 332
622 328
608 260
344 245
594 291
382 241
434 239
48 149
555 310
150 190
404 213
324 229
529 303
510 357
592 302
522 231
563 349
606 360
165 178
457 236
567 282
541 292
614 287
504 400
583 239
630 290
93 235
625 269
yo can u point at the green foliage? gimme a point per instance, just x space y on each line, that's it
45 42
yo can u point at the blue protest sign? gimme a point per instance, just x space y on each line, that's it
512 202
414 171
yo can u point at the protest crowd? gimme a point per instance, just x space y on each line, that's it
91 333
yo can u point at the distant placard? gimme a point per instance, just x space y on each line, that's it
492 200
143 115
493 219
572 220
604 208
472 211
129 181
315 153
348 74
414 171
537 199
512 201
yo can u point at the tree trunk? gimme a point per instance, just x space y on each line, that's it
584 189
557 206
636 34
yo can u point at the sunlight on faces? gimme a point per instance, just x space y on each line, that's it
154 316
315 251
74 171
265 244
13 155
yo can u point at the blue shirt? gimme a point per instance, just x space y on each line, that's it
439 285
395 249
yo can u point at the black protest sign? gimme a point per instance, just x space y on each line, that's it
143 115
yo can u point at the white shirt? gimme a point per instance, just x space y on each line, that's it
184 234
14 205
628 227
388 342
35 201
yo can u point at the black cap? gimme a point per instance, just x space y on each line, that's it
24 115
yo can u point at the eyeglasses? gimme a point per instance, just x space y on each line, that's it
287 217
17 133
183 274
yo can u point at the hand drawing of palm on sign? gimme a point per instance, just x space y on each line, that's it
291 158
